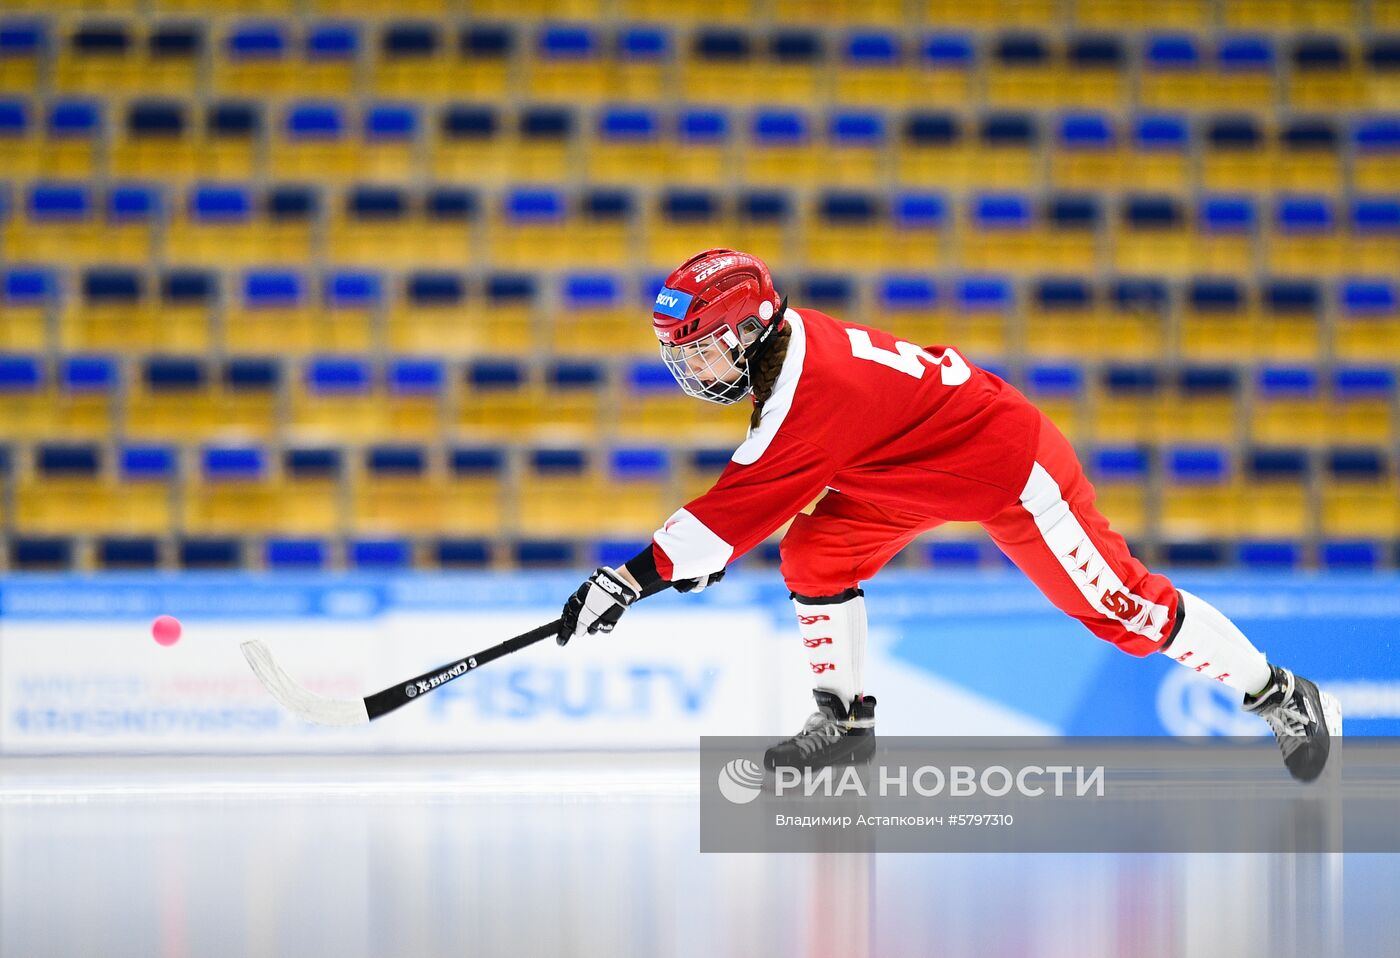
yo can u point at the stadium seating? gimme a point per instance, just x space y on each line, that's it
346 287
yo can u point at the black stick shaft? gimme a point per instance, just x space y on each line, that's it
396 696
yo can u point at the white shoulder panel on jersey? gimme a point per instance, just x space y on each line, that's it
775 410
692 546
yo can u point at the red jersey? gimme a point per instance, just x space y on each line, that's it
916 430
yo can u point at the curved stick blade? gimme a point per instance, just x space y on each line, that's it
302 702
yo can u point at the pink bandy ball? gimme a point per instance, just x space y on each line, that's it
166 630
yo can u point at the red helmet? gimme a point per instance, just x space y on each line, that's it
714 307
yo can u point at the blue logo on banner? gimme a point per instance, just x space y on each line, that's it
672 302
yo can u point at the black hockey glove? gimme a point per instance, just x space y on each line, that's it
596 606
698 585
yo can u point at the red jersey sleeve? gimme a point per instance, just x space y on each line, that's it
744 507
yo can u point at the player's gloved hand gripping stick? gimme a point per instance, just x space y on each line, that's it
320 710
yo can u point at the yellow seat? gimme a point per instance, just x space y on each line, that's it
1058 391
483 69
1065 319
434 315
20 55
1024 74
595 319
562 494
1203 405
991 14
27 299
26 398
67 491
913 308
233 492
412 61
228 147
846 231
312 142
1089 155
1126 401
545 146
933 152
99 58
1224 241
1325 75
59 222
706 154
179 399
1238 155
1360 406
470 146
689 11
1216 318
499 399
682 223
640 70
718 68
384 226
1201 495
1373 240
566 65
1122 487
1134 14
945 75
336 399
1369 325
414 400
255 60
276 313
1008 156
117 311
1291 14
221 225
628 148
1172 75
403 491
1242 76
1273 509
1306 239
22 142
653 409
575 399
1287 407
984 308
874 71
780 151
1159 158
762 226
1310 159
857 151
1359 495
1152 238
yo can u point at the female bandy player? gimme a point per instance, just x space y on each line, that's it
897 439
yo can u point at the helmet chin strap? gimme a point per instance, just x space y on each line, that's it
760 345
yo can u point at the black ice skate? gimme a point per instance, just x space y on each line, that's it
1303 718
833 735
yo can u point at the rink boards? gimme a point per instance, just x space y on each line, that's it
950 654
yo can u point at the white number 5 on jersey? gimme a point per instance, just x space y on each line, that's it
910 359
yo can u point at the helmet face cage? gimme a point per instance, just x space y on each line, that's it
710 368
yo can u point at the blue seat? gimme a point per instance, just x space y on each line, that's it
15 121
872 48
23 38
60 202
1063 294
583 291
649 378
1074 211
567 43
1273 463
260 40
1375 216
89 374
1021 50
1175 51
378 204
575 374
409 40
702 128
1058 380
1376 134
722 45
632 463
331 42
1350 555
919 211
227 203
113 286
145 463
486 41
534 206
1086 131
1161 133
127 553
985 294
130 203
1363 382
629 125
28 286
1131 380
434 289
1197 465
848 208
476 461
68 460
313 462
932 129
1304 214
1115 464
643 44
273 288
314 121
902 292
339 375
1287 382
353 289
391 123
1152 212
1005 130
1201 382
830 292
1370 297
250 375
780 128
558 461
765 206
796 47
543 553
495 375
1356 463
510 289
947 51
1001 211
396 460
74 119
954 554
1245 53
857 129
296 554
1293 297
1269 554
50 553
174 373
1216 296
1095 51
416 377
1228 215
380 554
241 463
463 553
1310 134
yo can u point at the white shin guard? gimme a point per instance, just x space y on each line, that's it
1210 644
833 631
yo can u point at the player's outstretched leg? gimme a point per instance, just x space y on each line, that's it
1304 720
834 734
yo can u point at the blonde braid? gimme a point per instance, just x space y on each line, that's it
765 371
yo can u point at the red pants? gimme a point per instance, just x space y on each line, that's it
1054 535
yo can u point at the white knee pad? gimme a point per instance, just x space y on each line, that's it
1210 644
833 631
